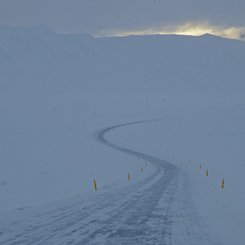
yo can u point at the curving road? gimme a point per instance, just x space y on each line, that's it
157 210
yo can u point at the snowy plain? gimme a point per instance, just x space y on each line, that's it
57 90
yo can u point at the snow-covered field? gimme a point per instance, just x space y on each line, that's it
57 90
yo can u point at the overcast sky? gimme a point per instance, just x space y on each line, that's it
105 16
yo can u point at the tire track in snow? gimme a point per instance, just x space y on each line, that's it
156 210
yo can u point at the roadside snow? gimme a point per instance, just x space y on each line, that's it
57 90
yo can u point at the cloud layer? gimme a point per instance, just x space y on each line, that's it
193 29
104 17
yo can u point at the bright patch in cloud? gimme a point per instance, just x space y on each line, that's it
192 29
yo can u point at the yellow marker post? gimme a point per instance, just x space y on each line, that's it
223 184
206 172
95 185
129 177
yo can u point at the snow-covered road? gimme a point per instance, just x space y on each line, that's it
156 210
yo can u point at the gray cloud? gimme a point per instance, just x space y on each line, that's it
95 16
